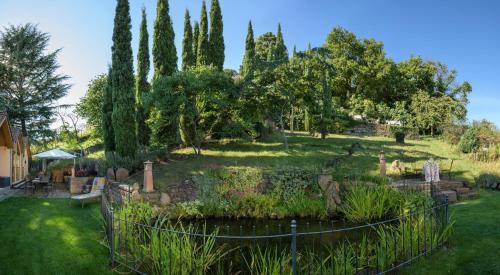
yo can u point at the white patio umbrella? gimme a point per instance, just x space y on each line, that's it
53 154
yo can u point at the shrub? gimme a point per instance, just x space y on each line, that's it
488 180
290 182
469 142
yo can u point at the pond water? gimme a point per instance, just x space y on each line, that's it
265 227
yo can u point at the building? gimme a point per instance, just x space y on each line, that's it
14 153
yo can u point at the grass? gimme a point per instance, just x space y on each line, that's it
47 236
474 243
307 151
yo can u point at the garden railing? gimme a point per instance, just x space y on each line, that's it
374 248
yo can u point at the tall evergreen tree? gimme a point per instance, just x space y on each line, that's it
142 85
29 81
187 43
202 54
196 35
123 82
107 112
248 63
281 53
216 39
164 52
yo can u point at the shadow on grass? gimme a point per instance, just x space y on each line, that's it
47 236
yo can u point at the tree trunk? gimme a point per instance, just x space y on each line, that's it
292 118
23 127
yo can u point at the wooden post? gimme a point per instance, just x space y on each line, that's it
148 177
382 164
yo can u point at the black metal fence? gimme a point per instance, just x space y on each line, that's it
160 247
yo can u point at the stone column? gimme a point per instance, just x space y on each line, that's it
382 163
148 177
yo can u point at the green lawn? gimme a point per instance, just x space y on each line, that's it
307 151
47 236
475 244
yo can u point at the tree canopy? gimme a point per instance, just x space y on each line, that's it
30 83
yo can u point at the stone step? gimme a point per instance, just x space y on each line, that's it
452 195
470 195
462 190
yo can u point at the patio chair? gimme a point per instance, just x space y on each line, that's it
29 186
95 193
49 187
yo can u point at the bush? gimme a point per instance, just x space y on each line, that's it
400 136
488 180
291 181
469 142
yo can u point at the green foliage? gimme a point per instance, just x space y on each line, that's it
142 84
364 203
268 261
107 111
91 105
187 209
469 141
196 35
122 75
203 49
248 63
29 82
164 52
432 113
488 180
197 98
481 140
290 182
280 51
216 41
188 56
399 134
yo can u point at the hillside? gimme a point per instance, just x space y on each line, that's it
306 151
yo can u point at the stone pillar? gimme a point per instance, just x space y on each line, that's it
148 177
382 163
73 173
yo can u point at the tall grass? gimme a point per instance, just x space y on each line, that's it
367 203
268 261
155 246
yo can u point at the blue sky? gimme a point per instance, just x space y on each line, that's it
463 34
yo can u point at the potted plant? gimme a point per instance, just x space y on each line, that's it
399 134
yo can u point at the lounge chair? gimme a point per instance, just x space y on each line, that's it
95 193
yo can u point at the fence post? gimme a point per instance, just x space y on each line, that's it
111 227
294 247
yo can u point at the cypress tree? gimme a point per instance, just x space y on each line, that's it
122 76
164 52
187 43
196 35
142 85
107 111
281 53
202 53
216 36
248 63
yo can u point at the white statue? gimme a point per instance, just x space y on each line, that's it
431 171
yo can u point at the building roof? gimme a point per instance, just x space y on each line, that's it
5 130
3 116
